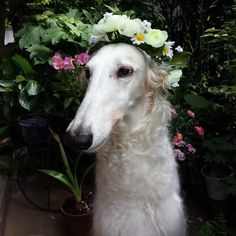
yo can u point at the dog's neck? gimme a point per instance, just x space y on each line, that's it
139 128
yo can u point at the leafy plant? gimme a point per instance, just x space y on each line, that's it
19 83
42 33
69 178
215 227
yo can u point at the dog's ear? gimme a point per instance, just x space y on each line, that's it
156 76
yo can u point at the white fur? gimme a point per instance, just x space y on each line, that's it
136 175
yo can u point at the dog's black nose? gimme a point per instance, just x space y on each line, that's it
79 139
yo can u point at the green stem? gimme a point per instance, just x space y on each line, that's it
84 175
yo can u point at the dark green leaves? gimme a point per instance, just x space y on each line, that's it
181 59
196 101
30 35
23 64
32 87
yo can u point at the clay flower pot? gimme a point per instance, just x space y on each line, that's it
77 224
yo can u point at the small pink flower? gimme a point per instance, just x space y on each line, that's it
191 114
178 137
68 63
179 155
173 112
199 130
178 144
82 58
57 62
191 149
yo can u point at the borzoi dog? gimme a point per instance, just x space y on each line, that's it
124 118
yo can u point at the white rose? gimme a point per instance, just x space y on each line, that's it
131 27
110 24
156 38
174 77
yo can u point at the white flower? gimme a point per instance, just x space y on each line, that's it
138 38
175 85
107 14
110 23
179 49
131 27
174 77
96 38
167 50
156 38
147 25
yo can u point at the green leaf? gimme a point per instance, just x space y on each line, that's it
23 64
25 100
67 102
6 83
32 88
59 176
196 101
42 53
115 9
89 17
30 35
54 35
180 59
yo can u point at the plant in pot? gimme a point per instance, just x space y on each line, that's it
76 210
217 171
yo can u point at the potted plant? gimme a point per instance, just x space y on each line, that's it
76 210
217 170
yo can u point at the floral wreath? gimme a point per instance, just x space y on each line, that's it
120 28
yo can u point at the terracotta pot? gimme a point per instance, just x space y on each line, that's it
78 225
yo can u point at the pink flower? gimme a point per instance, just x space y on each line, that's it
173 112
178 137
179 155
191 149
179 143
191 114
82 58
199 130
68 63
57 62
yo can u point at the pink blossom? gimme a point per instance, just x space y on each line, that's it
179 155
191 149
191 114
57 62
173 112
179 143
82 58
68 63
199 130
178 137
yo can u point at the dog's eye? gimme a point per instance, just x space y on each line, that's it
124 71
87 73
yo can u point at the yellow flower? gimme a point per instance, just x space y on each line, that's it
156 38
167 50
138 38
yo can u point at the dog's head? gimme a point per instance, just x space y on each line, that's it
119 76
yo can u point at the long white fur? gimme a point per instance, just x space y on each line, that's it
136 175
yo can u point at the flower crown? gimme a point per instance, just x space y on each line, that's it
118 28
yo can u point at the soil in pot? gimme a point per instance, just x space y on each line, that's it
78 216
215 178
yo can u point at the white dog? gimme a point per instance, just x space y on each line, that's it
124 118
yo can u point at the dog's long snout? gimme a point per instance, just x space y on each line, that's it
79 138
